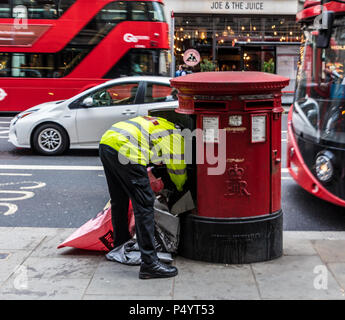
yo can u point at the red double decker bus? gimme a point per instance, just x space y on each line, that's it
316 121
53 49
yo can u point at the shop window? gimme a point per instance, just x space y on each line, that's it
223 39
260 58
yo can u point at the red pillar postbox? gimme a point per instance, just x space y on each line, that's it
238 116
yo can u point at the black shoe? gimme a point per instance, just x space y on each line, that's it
156 270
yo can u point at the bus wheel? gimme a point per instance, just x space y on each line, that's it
50 139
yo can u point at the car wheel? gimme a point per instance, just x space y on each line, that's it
50 139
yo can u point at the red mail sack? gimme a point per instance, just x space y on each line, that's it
97 233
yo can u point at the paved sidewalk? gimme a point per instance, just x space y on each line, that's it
312 267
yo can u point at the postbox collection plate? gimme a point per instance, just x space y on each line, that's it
210 129
259 128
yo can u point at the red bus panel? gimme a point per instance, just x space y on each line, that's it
43 60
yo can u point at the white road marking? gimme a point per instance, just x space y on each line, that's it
12 208
36 186
16 174
40 167
67 168
25 195
20 195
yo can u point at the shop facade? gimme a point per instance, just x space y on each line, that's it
238 35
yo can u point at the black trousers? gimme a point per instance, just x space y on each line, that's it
130 181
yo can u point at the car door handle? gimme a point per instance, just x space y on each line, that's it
128 112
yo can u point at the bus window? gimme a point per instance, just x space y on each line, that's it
4 64
147 11
40 65
164 65
133 63
145 63
64 5
114 11
38 9
68 59
5 10
140 62
27 65
41 9
138 10
156 11
101 24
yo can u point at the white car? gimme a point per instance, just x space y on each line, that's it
52 128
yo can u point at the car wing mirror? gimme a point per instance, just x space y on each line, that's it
87 102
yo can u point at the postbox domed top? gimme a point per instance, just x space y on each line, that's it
229 82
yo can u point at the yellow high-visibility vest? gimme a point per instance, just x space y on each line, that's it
144 140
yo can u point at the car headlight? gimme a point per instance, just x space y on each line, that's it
324 166
22 115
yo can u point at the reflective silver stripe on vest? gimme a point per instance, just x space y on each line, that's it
144 133
173 156
165 133
178 172
133 140
154 135
157 159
